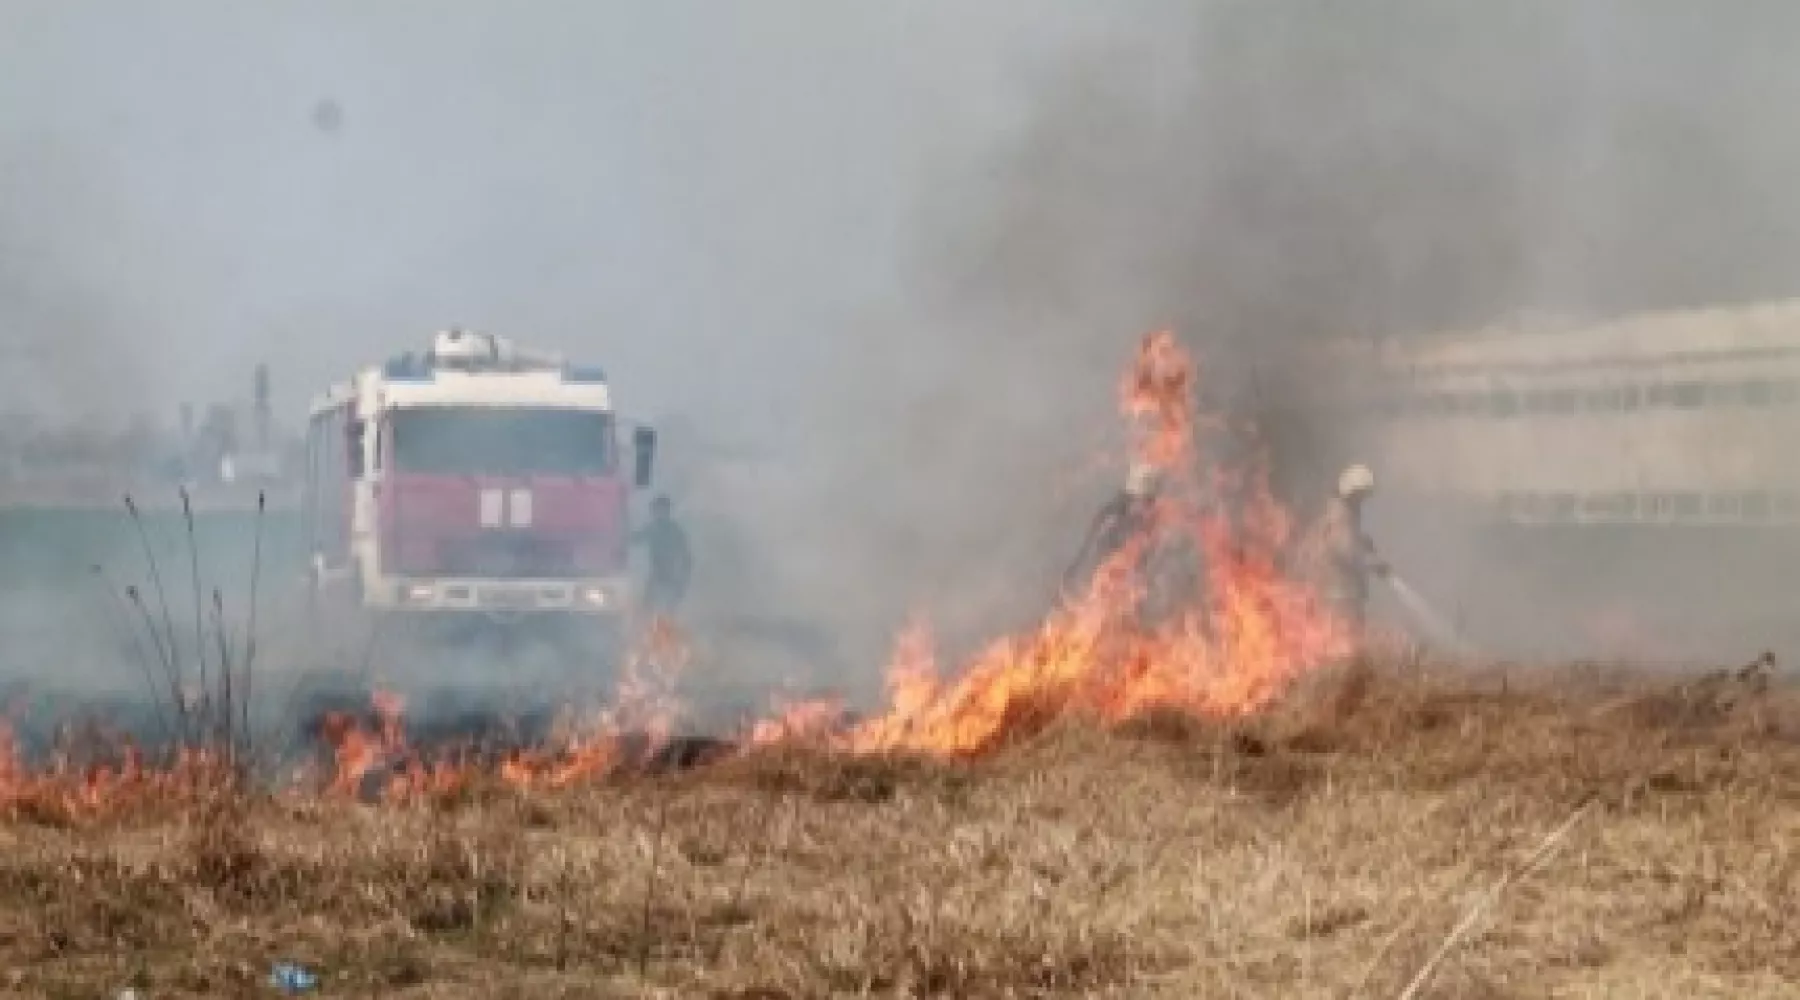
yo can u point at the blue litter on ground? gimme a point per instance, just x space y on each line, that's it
290 978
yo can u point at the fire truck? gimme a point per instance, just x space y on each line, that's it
477 482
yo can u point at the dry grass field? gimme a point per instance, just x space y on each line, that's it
1567 834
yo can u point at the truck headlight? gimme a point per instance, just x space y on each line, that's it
596 597
420 593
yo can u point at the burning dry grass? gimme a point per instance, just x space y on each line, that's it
1327 848
1057 816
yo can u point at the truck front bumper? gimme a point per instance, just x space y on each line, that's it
601 596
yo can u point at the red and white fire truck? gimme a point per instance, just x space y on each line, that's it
478 480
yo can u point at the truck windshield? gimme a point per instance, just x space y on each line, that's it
502 442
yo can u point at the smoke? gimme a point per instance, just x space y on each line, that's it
708 201
1313 170
1264 177
876 266
68 283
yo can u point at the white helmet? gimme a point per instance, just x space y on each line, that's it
1142 479
1355 480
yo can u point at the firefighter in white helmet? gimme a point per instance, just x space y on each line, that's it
1125 515
1141 481
1344 555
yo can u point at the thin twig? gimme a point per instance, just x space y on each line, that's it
565 891
750 865
651 882
1541 854
162 594
187 514
226 716
136 599
1381 950
250 627
115 608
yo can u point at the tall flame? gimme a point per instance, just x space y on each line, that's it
1226 647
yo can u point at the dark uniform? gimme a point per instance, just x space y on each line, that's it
1170 569
1124 516
671 561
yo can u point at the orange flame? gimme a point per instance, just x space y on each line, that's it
97 790
357 750
1228 647
1156 394
640 721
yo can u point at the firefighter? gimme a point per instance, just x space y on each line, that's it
1125 515
1346 554
671 562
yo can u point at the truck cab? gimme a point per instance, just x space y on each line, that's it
477 480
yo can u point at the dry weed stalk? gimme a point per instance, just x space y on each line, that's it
652 879
1546 848
750 865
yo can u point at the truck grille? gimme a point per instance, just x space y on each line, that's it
507 555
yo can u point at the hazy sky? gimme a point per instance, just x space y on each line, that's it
681 190
714 199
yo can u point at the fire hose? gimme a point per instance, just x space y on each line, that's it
1438 628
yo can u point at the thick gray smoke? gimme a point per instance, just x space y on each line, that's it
1268 176
711 201
876 267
